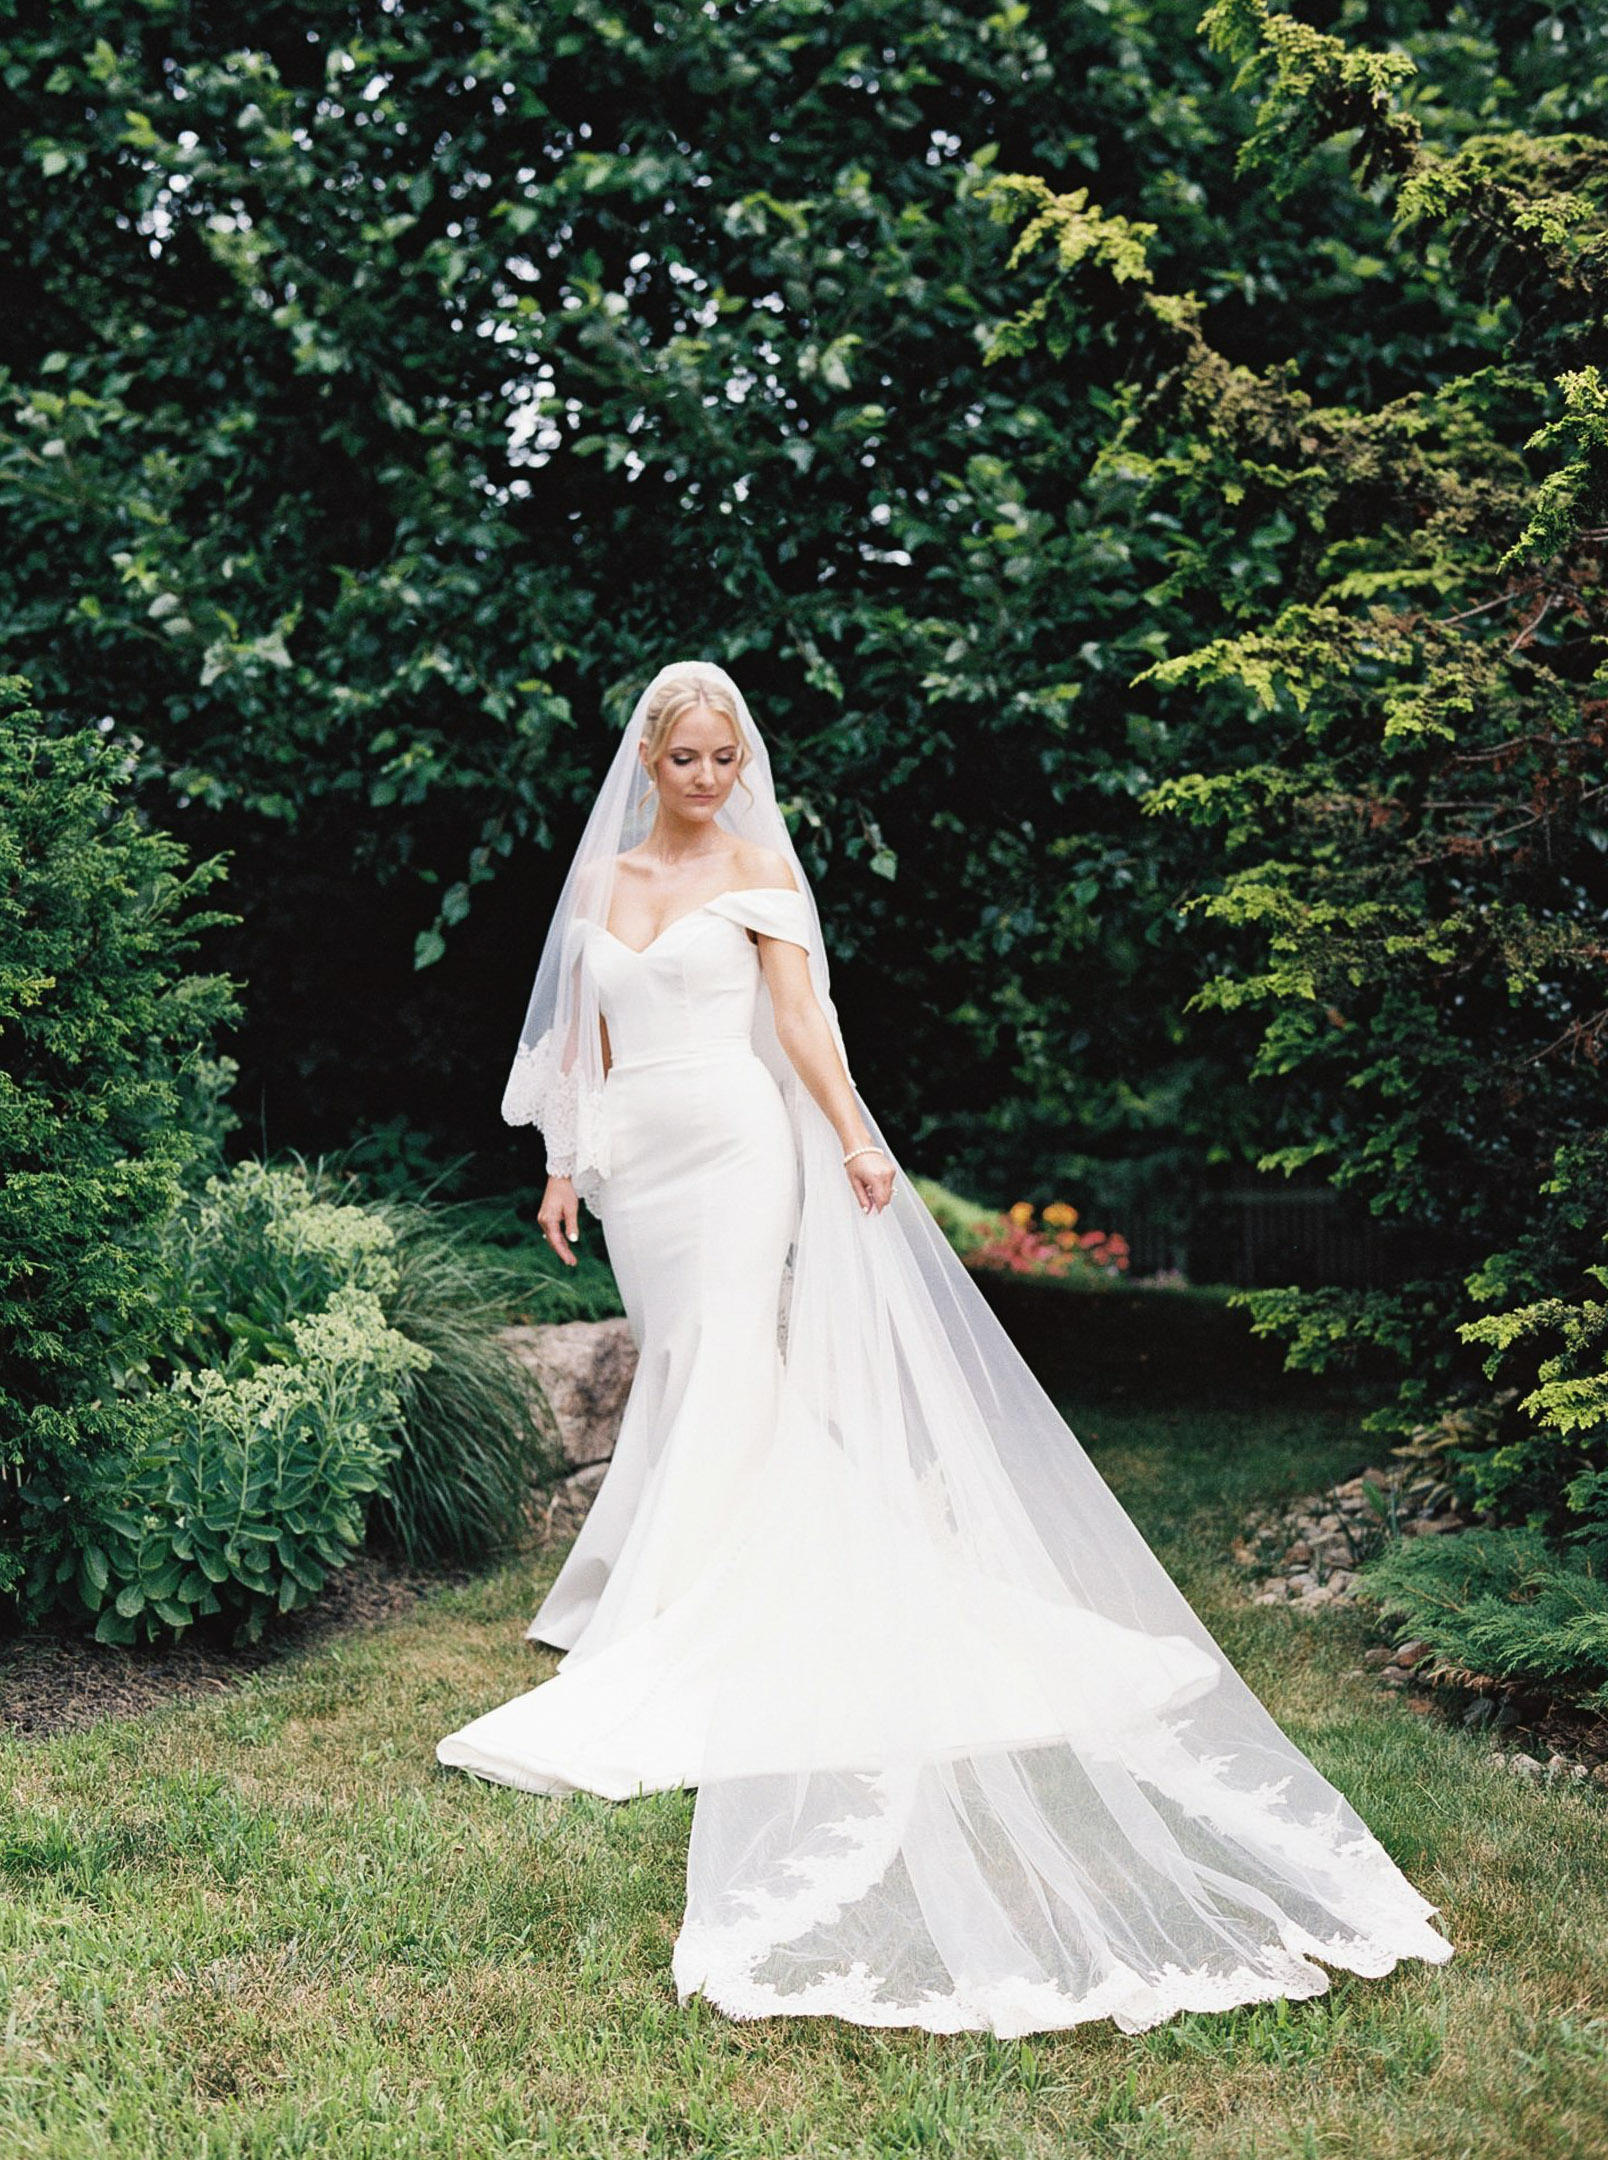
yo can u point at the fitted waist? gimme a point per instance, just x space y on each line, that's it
706 1046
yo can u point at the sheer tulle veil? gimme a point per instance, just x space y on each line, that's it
974 1762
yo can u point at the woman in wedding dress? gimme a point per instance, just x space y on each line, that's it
964 1756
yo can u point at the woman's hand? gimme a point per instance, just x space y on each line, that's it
560 1216
872 1177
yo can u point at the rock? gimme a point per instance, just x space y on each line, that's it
567 1503
1340 1580
1411 1653
585 1368
1379 1655
1524 1766
1479 1711
1245 1553
1297 1554
1394 1677
1599 1776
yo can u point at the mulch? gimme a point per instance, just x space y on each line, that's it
53 1680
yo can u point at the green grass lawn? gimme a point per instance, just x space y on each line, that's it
270 1925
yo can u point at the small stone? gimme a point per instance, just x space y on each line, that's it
1411 1653
1525 1766
1340 1580
1298 1553
1394 1677
1599 1776
1378 1655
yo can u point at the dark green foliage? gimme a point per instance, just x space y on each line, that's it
324 1369
1504 1603
388 391
246 1492
1399 647
263 1416
109 1095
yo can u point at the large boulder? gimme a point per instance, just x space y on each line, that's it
585 1368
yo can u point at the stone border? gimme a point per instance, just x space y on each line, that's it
1306 1551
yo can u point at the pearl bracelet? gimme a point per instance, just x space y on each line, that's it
870 1148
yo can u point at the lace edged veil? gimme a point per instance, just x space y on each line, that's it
975 1760
556 1080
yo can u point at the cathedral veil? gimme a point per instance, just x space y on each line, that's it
973 1761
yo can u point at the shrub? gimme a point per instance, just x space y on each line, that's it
1503 1602
108 1096
249 1489
258 1423
328 1368
1396 733
476 1434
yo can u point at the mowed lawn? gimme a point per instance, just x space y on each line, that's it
271 1925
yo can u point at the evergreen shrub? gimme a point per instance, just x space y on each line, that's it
1503 1602
109 1095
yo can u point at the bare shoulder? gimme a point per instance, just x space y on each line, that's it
765 866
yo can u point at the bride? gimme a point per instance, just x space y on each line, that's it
964 1755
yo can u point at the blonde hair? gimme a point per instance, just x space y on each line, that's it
681 693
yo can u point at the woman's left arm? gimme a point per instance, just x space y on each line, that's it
802 1030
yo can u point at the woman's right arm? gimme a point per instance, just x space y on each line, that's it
559 1215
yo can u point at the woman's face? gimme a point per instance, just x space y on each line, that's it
697 768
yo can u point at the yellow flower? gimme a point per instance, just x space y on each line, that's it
1022 1213
1060 1215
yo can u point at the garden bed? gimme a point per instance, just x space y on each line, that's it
55 1680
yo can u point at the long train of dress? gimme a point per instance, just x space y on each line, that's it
964 1755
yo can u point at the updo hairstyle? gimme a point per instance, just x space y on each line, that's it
682 692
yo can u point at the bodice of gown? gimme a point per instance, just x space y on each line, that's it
696 985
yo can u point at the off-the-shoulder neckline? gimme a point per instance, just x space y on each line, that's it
732 892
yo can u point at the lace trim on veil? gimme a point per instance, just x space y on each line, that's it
543 1091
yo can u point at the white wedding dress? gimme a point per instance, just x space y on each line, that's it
945 1713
